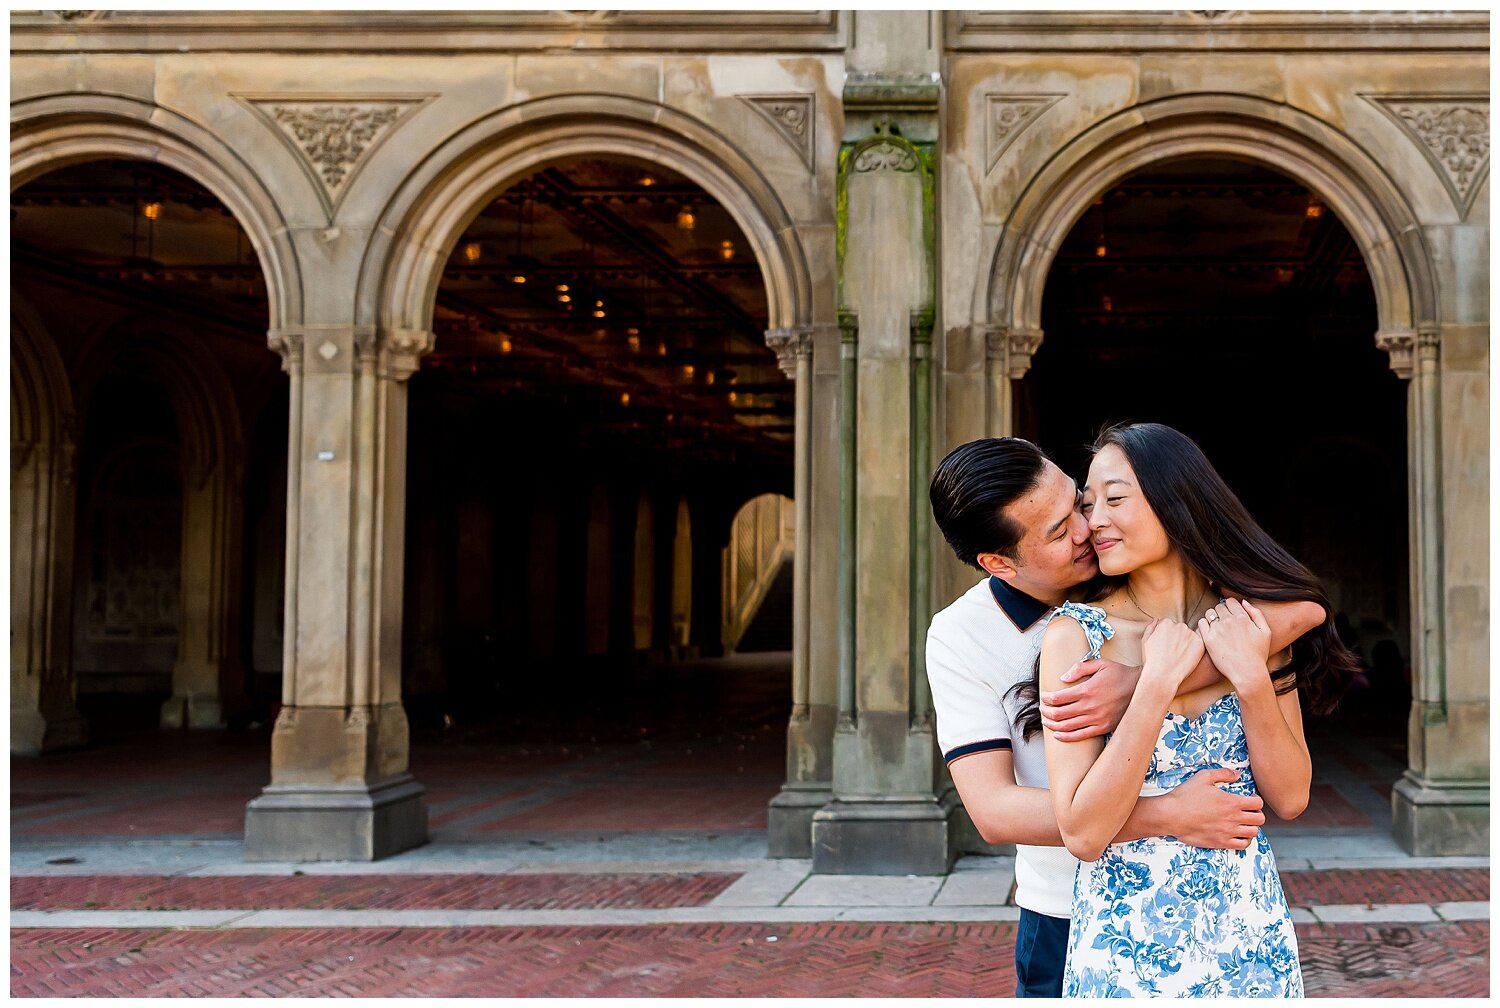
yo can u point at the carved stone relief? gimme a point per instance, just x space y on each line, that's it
791 345
1453 131
792 115
885 156
333 136
1007 116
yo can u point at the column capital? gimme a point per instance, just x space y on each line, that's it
1398 343
792 344
1429 342
1012 346
402 350
288 344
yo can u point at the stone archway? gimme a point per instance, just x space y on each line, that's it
52 131
404 264
43 444
205 673
1390 240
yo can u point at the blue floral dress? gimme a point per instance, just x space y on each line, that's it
1157 918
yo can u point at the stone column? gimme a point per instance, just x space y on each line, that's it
1441 804
43 711
339 787
887 815
809 738
208 654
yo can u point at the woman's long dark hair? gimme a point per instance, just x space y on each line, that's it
1206 523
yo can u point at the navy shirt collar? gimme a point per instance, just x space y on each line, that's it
1022 609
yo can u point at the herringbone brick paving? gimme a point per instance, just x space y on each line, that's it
556 891
564 891
1334 887
713 960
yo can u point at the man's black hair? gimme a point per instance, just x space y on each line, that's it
974 484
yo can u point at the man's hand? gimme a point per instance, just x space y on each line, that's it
1169 651
1211 817
1094 706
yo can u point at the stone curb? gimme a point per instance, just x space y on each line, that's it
1387 913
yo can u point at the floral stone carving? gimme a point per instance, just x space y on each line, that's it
334 137
885 156
792 115
1453 131
1007 116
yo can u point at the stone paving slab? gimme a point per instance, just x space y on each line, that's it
1463 911
766 884
866 890
700 960
1384 913
975 888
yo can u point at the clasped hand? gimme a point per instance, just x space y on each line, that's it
1169 651
1238 640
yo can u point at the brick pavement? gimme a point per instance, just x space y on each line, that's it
367 892
715 960
597 890
516 814
1390 885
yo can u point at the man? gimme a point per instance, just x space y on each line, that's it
1008 511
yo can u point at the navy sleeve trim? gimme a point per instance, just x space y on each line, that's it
988 745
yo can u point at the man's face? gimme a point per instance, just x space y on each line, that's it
1054 552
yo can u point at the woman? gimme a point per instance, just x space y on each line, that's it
1156 916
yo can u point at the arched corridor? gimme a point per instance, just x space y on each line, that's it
156 305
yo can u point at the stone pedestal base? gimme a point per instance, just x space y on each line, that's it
307 822
1441 819
885 837
192 712
32 734
790 817
968 838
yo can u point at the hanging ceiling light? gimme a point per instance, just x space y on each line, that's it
473 251
685 219
151 211
624 398
1314 208
647 181
505 345
726 250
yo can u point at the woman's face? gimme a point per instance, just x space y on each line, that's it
1126 532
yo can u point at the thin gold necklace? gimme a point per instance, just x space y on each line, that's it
1133 601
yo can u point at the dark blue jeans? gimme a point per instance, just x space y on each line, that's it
1041 949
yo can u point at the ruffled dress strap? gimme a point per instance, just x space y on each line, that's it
1095 626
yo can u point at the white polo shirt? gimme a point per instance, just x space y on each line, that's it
978 648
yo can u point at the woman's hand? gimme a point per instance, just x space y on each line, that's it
1169 651
1238 639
